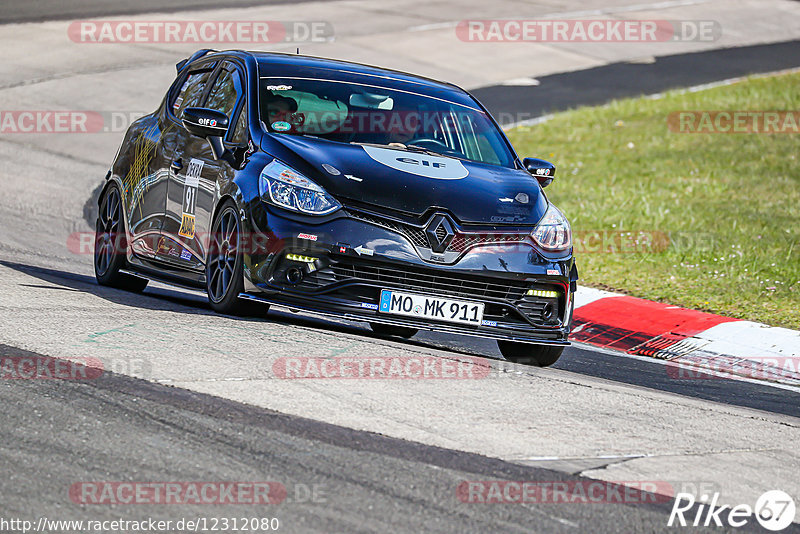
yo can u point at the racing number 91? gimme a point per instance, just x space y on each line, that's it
190 185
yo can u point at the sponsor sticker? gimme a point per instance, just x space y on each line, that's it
369 306
190 185
310 237
281 126
186 255
436 167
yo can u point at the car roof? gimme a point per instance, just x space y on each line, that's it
292 65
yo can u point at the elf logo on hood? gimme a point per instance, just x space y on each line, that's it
439 168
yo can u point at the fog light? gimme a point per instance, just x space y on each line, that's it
294 275
542 293
548 312
298 257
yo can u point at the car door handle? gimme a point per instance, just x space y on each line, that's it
177 165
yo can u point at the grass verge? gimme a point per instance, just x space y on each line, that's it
700 220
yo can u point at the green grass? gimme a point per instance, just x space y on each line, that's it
728 203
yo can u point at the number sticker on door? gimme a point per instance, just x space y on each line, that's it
190 185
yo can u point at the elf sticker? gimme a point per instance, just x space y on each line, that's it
190 185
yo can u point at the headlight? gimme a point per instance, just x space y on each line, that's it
283 186
553 232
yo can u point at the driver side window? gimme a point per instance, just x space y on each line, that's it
225 96
191 92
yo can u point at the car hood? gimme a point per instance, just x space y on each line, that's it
414 183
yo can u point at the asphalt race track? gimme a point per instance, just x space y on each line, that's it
590 87
353 481
192 396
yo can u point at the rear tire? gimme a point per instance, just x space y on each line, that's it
110 245
225 266
390 330
528 354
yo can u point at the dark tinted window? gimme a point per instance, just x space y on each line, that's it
240 133
225 92
369 113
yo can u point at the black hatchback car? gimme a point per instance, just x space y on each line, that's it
343 189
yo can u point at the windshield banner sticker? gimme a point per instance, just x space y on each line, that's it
420 164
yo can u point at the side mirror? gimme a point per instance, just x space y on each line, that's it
542 170
208 123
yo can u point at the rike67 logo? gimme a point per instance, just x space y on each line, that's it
774 510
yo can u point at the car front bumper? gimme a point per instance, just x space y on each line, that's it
339 267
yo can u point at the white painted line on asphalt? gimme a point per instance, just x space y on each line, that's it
572 14
524 81
626 9
433 26
601 457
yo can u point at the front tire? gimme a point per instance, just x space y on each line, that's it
110 245
225 265
528 354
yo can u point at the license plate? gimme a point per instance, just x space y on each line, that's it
428 307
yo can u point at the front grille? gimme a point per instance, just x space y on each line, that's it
429 281
460 243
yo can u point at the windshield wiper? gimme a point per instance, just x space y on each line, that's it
401 146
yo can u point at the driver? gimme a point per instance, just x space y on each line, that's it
279 109
402 127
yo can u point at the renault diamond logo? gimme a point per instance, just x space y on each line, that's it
440 232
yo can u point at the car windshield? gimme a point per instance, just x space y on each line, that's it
349 112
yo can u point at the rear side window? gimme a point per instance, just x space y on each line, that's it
191 91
